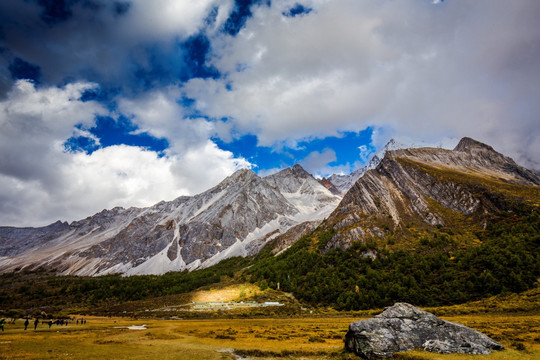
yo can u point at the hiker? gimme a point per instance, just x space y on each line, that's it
50 323
2 322
26 324
36 322
77 321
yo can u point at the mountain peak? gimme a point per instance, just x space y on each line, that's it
467 143
391 144
241 174
298 170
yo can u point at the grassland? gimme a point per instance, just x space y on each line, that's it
298 338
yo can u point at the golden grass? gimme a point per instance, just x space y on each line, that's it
299 338
101 339
234 292
525 302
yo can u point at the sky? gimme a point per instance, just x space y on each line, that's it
126 103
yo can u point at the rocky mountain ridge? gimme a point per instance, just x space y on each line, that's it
234 218
427 187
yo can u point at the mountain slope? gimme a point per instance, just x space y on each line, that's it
430 187
303 191
235 218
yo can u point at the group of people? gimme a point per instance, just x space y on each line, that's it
27 322
50 322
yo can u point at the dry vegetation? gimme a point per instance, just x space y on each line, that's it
526 302
299 338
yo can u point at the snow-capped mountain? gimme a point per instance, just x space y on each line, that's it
234 218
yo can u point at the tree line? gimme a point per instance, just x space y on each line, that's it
437 272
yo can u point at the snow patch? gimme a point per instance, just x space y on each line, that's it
159 264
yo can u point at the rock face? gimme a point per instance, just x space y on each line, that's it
403 327
327 184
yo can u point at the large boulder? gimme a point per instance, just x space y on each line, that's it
403 327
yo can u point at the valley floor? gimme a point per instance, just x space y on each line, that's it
296 338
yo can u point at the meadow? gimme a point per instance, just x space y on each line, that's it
268 338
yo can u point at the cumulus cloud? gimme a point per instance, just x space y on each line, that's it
419 69
41 182
159 114
34 125
316 160
165 18
206 165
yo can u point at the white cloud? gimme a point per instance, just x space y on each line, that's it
115 176
158 113
458 69
35 123
315 160
365 153
299 77
40 182
158 19
205 165
318 163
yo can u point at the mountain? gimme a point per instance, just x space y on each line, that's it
236 217
428 226
304 192
428 187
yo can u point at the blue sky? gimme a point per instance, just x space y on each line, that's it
129 102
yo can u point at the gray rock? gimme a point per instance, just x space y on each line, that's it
403 327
